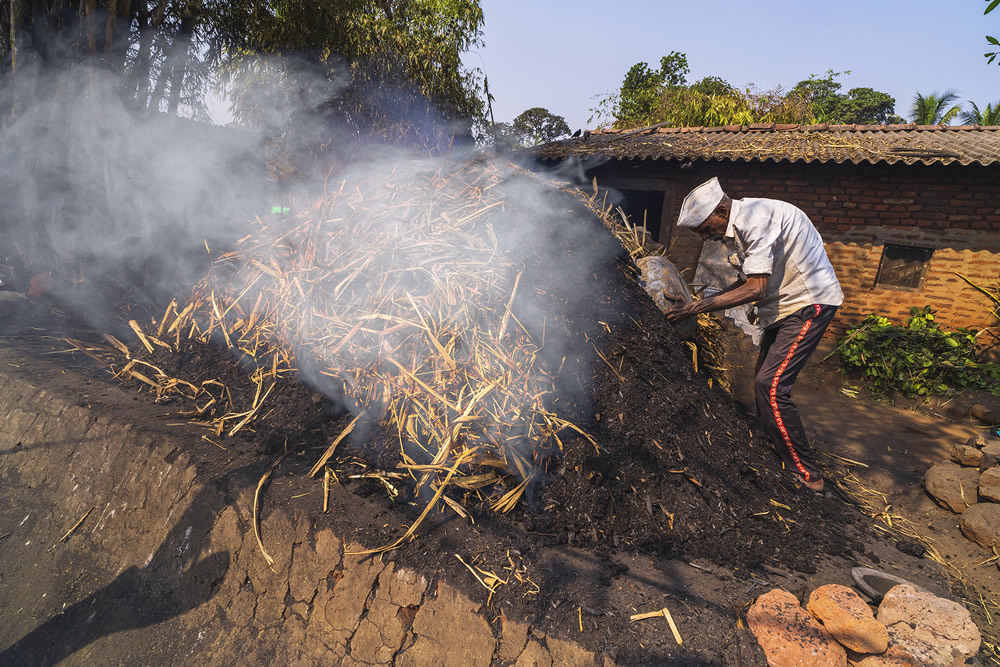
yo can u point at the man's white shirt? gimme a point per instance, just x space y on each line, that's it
769 236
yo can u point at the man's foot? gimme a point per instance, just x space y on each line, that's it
816 484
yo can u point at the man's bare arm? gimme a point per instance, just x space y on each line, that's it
737 294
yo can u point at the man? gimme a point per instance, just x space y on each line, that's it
785 270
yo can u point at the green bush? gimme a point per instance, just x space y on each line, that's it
918 358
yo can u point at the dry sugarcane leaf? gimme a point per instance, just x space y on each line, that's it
333 446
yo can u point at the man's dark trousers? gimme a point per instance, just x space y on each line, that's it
784 350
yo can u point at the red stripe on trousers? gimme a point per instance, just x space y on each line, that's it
774 395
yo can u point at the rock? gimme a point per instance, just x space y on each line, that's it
913 654
989 485
966 455
846 616
789 635
911 548
992 447
981 524
933 630
952 485
978 440
988 461
896 656
985 414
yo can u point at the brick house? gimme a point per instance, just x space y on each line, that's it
902 208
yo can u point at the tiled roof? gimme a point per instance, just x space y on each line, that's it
873 144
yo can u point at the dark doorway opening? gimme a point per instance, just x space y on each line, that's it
644 202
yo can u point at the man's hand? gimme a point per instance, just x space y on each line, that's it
681 310
737 294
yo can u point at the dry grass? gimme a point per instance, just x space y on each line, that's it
392 290
392 293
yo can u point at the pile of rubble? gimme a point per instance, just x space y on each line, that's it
837 627
969 485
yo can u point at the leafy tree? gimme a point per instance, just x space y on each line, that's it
502 136
864 106
989 115
537 125
712 85
822 93
643 87
396 63
674 69
933 109
385 68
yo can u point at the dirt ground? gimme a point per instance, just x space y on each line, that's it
678 502
899 440
707 574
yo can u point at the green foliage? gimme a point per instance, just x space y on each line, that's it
822 92
643 87
990 115
712 85
918 358
674 69
386 69
649 97
864 106
501 136
538 125
993 41
933 109
686 107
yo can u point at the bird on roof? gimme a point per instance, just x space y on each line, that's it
577 134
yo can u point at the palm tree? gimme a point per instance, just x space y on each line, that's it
988 116
930 110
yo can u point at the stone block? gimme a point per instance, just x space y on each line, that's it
846 616
992 447
989 485
953 486
981 524
896 656
967 456
789 635
933 630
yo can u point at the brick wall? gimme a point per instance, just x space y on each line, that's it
954 209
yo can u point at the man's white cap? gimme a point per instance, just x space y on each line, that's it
700 203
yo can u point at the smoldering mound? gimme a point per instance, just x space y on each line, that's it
581 414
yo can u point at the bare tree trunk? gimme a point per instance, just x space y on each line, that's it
89 25
16 12
16 16
144 58
161 86
109 25
178 61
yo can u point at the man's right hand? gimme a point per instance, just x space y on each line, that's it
680 311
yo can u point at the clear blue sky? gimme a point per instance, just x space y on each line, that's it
559 54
